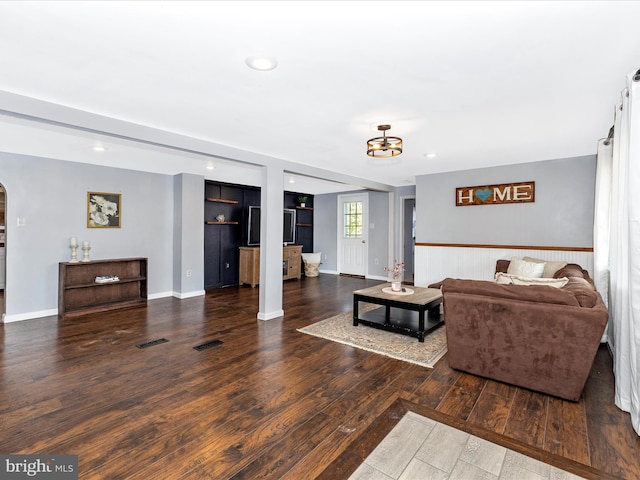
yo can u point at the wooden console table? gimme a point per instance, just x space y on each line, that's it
250 264
80 294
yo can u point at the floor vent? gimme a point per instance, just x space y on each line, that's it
204 346
152 343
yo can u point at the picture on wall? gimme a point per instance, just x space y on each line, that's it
522 192
103 210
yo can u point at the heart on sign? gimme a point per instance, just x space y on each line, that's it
483 194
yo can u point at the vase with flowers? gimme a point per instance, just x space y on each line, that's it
396 275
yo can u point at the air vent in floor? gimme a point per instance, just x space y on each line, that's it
152 343
204 346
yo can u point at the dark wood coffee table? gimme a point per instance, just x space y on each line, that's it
414 314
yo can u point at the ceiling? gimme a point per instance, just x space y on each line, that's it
478 83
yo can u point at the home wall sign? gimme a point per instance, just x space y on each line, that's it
523 192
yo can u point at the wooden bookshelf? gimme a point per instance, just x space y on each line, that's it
79 293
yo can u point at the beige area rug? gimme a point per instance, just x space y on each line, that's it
401 347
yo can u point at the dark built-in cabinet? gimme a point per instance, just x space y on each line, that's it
304 219
224 236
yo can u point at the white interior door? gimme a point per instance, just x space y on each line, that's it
353 220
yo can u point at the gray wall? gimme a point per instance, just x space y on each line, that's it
379 234
188 235
562 214
326 231
51 197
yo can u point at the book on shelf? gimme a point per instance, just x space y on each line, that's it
107 279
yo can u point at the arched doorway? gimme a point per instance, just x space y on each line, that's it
2 250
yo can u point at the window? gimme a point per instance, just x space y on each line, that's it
353 220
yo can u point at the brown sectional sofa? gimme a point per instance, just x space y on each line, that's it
537 337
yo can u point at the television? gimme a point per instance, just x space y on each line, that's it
288 226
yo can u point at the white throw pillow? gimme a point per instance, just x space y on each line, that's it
550 268
523 268
507 279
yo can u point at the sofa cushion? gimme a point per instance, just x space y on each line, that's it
550 268
533 293
507 279
523 268
583 291
571 270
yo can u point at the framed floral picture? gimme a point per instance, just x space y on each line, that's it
103 210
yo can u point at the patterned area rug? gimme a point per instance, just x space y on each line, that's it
401 347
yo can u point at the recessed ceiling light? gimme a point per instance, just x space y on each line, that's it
262 63
292 180
99 148
430 155
210 166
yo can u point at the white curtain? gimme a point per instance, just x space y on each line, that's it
601 221
622 232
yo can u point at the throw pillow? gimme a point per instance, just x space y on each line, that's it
506 279
550 268
523 268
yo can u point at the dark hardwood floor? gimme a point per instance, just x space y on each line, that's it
269 402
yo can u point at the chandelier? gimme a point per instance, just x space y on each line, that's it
384 146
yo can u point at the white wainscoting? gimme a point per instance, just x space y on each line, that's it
435 263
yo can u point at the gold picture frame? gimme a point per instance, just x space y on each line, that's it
104 210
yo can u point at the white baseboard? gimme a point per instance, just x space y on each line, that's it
368 277
18 317
329 272
7 318
155 296
182 296
270 315
377 277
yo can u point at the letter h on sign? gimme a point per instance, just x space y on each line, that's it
461 197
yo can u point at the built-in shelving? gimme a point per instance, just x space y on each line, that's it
304 218
221 200
223 239
79 293
225 207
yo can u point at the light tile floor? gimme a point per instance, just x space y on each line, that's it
419 448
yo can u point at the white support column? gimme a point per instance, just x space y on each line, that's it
271 218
